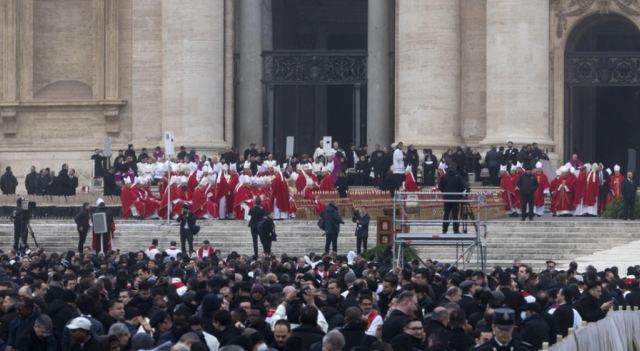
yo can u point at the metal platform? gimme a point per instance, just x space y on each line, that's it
414 231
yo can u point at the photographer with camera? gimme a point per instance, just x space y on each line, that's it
361 218
20 217
188 229
452 184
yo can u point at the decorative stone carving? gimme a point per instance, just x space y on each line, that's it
315 67
564 9
596 70
9 123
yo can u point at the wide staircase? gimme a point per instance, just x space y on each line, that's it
531 242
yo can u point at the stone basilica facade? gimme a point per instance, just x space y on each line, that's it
219 73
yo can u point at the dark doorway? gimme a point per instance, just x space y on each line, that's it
310 110
602 90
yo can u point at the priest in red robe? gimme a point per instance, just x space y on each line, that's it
202 204
409 180
541 190
616 182
127 198
327 183
580 189
562 191
174 194
592 191
280 199
242 198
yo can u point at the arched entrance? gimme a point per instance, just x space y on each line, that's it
602 90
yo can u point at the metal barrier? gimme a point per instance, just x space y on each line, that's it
414 231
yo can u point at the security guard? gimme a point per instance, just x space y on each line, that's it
503 324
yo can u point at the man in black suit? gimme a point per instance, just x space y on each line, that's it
629 189
527 184
188 229
82 224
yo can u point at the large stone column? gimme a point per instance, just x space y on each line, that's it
428 72
192 72
379 120
517 72
473 70
249 117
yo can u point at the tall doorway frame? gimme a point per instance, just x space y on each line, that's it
564 17
314 68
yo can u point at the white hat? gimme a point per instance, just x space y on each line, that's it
559 171
608 171
587 166
616 168
564 169
442 166
518 164
99 201
408 169
204 182
79 323
126 180
174 180
539 165
503 168
184 180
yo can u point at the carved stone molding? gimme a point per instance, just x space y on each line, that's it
564 9
315 67
9 123
603 69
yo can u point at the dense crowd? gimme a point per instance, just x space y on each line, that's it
160 299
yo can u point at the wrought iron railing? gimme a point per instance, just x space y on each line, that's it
603 69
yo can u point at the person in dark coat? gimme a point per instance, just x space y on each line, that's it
512 299
564 313
429 168
188 229
503 325
31 181
591 306
527 184
39 337
110 188
20 218
82 225
256 214
308 332
629 189
378 163
361 218
44 182
412 159
102 242
331 220
451 182
267 233
534 329
395 323
98 163
8 182
342 184
412 337
459 340
72 183
492 160
353 330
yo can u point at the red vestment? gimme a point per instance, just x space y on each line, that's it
616 185
562 191
592 189
127 197
511 202
146 203
580 188
409 182
177 201
543 184
201 205
242 196
327 184
301 181
280 194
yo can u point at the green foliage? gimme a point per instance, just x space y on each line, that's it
379 251
614 209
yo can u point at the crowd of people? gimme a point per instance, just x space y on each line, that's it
579 189
44 182
161 299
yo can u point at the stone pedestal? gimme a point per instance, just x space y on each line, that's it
193 72
517 72
428 72
379 85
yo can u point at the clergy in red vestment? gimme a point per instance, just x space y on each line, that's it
301 180
409 180
327 183
280 199
592 191
127 197
234 179
178 198
616 182
562 191
580 190
221 194
508 192
242 198
146 203
541 190
516 172
202 204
